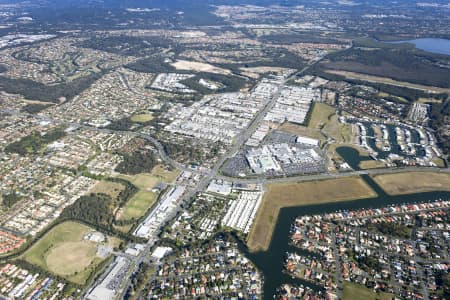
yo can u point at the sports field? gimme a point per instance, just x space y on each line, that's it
137 206
143 199
282 195
142 118
63 252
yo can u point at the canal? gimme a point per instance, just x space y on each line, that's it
270 262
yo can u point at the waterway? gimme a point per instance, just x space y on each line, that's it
352 157
440 46
271 262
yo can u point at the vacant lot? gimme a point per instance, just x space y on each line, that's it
198 67
359 292
302 130
429 100
325 119
282 195
413 182
63 251
255 72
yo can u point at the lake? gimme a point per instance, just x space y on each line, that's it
270 262
440 46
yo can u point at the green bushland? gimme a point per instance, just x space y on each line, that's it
136 162
399 63
35 142
34 108
48 93
230 83
9 199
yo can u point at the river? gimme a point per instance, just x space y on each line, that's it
271 262
435 45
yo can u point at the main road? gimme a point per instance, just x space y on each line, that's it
213 172
323 176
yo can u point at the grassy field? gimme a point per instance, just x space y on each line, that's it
371 164
166 175
123 228
400 99
429 100
138 205
71 257
63 251
413 182
144 198
109 188
439 162
282 195
320 115
325 119
144 181
358 292
142 118
385 80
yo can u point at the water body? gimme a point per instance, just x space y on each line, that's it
271 262
351 156
440 46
